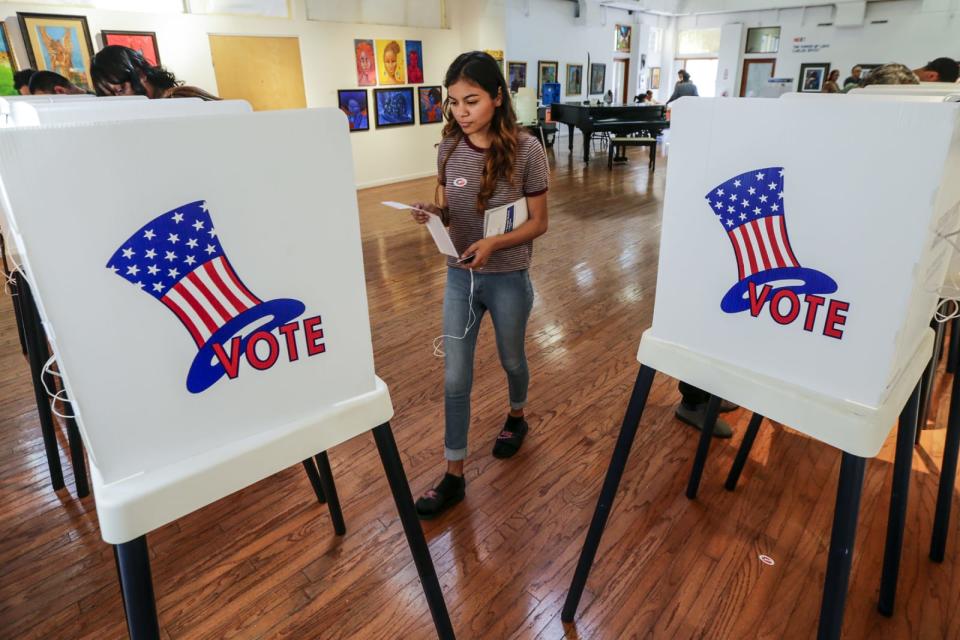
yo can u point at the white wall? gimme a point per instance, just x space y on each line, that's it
326 48
911 36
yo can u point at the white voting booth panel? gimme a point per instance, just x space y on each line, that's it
192 377
32 114
7 102
799 257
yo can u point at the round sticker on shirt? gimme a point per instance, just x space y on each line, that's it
460 182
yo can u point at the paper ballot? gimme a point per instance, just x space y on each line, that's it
504 219
435 226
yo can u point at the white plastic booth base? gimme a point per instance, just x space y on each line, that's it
857 430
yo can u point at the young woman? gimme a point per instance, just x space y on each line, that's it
485 161
121 71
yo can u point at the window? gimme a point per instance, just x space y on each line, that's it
763 40
698 42
703 73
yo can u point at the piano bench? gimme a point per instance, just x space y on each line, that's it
622 142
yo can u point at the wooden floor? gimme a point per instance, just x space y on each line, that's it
264 563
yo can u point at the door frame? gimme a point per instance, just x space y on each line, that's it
746 64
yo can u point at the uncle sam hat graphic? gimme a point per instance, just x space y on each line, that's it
751 209
177 258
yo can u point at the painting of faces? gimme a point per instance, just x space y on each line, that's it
394 106
431 105
354 104
390 62
414 61
366 63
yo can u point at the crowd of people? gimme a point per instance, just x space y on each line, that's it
115 71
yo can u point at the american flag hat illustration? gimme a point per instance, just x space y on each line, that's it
177 258
751 209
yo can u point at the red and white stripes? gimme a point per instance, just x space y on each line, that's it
762 244
208 297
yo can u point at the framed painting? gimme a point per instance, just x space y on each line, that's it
431 104
654 77
812 76
7 64
516 75
353 103
366 60
143 41
598 77
59 43
390 62
546 72
623 34
414 49
497 54
574 79
394 107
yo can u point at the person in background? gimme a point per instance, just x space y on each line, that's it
853 80
640 98
649 96
608 99
684 86
891 74
121 71
938 70
21 81
831 86
46 83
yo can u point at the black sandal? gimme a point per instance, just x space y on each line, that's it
434 502
510 439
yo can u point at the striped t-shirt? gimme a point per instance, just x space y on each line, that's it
464 170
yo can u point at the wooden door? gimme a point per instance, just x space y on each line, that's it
756 71
263 70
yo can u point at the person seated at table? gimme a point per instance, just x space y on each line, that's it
640 98
21 81
650 99
121 71
831 85
692 410
48 83
853 80
891 74
938 70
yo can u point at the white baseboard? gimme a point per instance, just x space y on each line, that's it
395 179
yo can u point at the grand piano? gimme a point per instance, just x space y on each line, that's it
622 120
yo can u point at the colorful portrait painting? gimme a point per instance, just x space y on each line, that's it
414 50
431 104
390 62
574 79
7 65
623 33
366 63
60 44
143 41
394 107
353 102
517 76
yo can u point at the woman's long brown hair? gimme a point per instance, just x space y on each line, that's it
482 70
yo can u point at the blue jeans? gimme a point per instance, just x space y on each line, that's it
508 297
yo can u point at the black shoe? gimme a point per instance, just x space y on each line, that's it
696 416
510 439
434 502
726 406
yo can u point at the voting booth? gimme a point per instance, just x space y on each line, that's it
797 278
207 309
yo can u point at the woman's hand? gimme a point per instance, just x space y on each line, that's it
419 216
480 250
